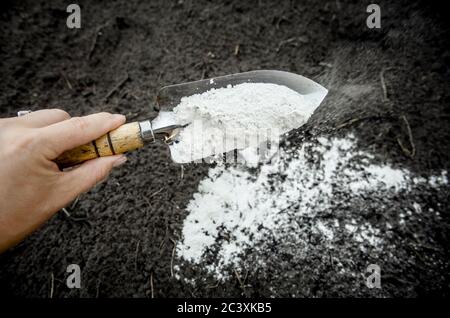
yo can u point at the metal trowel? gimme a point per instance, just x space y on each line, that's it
164 128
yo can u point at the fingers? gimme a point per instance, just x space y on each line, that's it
90 173
77 131
42 118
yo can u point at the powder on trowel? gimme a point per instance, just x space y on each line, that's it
237 117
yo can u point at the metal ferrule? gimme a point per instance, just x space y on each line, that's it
147 131
166 134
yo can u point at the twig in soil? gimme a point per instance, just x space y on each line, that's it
213 286
192 292
52 284
383 84
282 43
241 283
161 245
132 94
97 293
358 119
325 64
348 123
158 79
74 203
118 86
173 256
422 245
182 172
66 212
330 258
410 153
151 286
147 201
73 218
236 50
414 249
294 41
94 41
155 193
67 81
136 255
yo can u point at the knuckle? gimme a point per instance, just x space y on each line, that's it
26 142
79 123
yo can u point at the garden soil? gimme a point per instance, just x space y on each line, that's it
122 233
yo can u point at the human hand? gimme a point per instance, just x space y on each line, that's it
32 187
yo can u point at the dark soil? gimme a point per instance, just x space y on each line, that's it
122 232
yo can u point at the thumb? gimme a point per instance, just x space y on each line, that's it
89 174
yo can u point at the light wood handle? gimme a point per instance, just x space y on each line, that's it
123 139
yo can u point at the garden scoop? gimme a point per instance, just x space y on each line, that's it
165 128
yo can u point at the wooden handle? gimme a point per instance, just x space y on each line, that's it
123 139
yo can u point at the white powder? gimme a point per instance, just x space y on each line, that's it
236 117
436 181
324 230
389 177
235 210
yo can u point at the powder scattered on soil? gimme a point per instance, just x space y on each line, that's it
235 210
236 117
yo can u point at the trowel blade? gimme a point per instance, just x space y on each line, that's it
169 96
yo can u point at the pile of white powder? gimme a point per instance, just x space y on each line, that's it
235 210
236 117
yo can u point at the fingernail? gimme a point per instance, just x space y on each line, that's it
120 161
